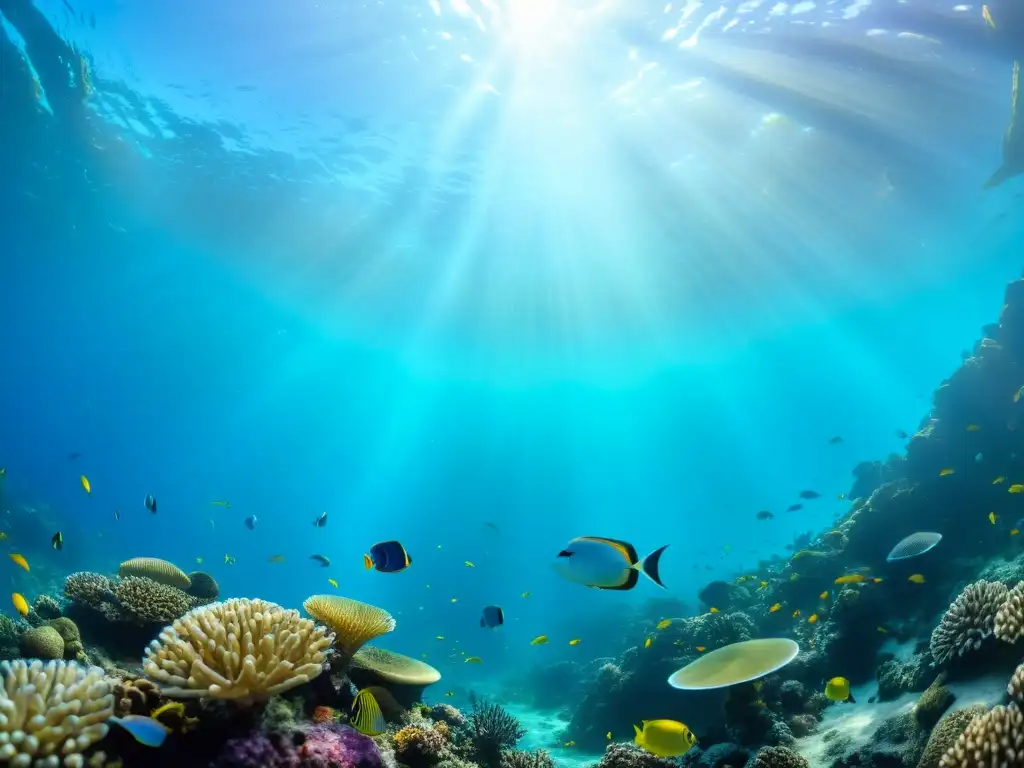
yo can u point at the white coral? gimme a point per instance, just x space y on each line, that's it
968 621
238 649
51 711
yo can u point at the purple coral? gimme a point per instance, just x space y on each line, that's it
319 746
256 750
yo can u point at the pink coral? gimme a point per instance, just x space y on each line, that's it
319 746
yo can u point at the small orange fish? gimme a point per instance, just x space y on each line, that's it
796 613
775 608
812 618
20 604
700 648
20 561
647 643
946 471
713 610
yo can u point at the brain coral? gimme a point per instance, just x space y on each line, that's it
1009 621
238 649
203 586
968 621
51 710
993 739
354 623
155 569
42 643
150 602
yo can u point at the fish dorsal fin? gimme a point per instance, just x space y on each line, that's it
624 548
645 722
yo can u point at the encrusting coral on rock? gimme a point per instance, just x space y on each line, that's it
239 649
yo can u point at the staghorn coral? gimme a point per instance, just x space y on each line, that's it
157 570
353 623
517 758
968 621
993 739
492 730
51 710
945 734
778 757
418 746
150 602
395 667
46 608
1009 622
238 649
203 586
42 643
136 696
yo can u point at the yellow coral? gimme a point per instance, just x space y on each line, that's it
158 570
238 649
51 710
353 623
395 667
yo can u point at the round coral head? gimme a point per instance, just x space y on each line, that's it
734 664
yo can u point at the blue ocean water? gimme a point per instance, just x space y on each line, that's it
481 276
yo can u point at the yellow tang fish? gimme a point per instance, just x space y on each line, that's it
473 660
998 480
1016 488
946 471
569 744
366 715
85 483
838 689
917 578
539 640
664 738
663 624
877 580
824 595
608 735
647 643
20 604
853 578
574 641
986 14
1014 531
713 610
992 517
469 564
774 608
19 560
796 613
700 648
973 428
812 618
333 583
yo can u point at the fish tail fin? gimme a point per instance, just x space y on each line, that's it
367 562
649 565
639 738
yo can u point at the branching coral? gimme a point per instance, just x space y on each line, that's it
46 608
968 621
492 730
156 570
150 602
91 589
1009 623
49 711
994 739
238 649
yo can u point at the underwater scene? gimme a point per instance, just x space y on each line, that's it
511 384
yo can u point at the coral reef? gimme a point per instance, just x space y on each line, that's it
968 621
46 608
238 649
136 696
933 703
631 756
492 731
516 758
945 734
417 745
778 757
993 739
1009 620
150 602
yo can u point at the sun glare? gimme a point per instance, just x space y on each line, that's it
534 23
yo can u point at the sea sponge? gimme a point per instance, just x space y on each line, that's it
158 570
968 621
51 710
91 589
417 746
150 602
353 623
395 667
238 649
203 586
42 643
778 757
1009 623
996 738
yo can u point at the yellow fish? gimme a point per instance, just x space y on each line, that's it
775 608
992 517
917 578
764 585
987 16
1016 488
838 689
85 483
877 580
608 735
1020 392
812 618
853 578
973 428
1014 531
796 613
574 641
526 594
713 610
647 643
366 715
275 559
333 583
700 648
569 744
469 564
663 624
455 599
539 640
998 480
664 738
473 660
882 630
20 561
20 604
439 637
946 471
229 560
823 595
225 504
